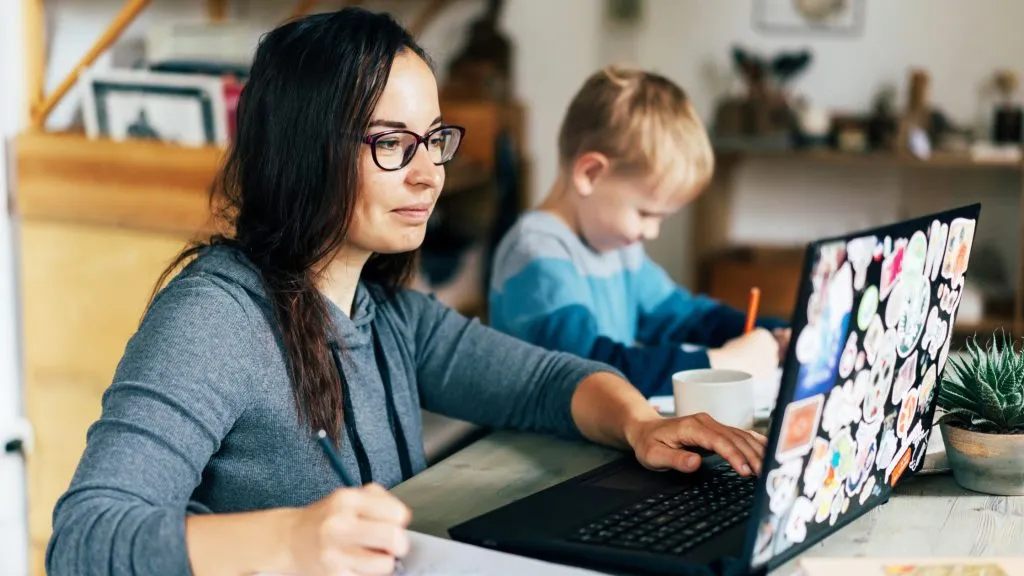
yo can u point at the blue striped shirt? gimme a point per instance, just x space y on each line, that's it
618 307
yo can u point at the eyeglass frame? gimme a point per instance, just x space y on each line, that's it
371 140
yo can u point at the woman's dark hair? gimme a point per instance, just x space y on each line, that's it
288 186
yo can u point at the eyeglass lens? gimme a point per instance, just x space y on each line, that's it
395 150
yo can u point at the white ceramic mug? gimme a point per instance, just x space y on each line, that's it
726 395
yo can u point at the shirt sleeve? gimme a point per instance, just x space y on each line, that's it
471 372
546 304
669 314
174 397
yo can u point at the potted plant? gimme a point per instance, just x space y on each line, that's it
982 397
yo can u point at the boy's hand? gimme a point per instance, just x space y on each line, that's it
756 352
782 336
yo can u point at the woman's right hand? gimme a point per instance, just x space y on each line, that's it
756 352
353 531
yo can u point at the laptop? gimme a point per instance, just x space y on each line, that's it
871 333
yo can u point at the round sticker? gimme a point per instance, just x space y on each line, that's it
849 358
868 307
873 339
904 379
907 311
881 377
807 345
907 412
916 254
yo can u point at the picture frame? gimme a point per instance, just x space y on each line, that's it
809 17
129 104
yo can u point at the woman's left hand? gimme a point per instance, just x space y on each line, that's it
661 443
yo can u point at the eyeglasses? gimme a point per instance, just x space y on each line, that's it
394 149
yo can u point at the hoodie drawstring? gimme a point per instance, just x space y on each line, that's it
394 422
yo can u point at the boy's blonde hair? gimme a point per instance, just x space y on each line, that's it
643 122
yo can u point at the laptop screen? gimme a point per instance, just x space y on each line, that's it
871 333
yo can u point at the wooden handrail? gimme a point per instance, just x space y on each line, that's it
34 17
41 106
129 12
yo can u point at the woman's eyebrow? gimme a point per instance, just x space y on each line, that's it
397 125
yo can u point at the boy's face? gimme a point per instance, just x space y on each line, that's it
617 210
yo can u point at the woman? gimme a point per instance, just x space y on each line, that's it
205 457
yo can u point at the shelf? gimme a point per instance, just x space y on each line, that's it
137 185
864 159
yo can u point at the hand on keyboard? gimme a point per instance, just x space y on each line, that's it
663 443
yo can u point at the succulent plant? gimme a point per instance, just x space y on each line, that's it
983 389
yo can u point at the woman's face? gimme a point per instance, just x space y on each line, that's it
392 207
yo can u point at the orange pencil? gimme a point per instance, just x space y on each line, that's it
755 300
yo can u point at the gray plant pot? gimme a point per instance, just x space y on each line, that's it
987 463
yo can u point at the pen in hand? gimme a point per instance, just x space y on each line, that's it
346 480
335 461
755 300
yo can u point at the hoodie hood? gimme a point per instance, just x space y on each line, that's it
231 265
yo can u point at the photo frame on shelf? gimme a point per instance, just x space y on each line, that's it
128 104
809 17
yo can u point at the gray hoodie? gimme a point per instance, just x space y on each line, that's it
200 416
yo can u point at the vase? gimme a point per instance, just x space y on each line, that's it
987 463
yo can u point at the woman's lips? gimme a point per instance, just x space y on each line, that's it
414 212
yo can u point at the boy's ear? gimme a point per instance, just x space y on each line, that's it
587 169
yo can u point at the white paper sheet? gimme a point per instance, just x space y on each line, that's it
433 556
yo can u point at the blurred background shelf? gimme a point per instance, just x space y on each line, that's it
135 185
938 160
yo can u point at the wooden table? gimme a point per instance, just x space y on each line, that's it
928 516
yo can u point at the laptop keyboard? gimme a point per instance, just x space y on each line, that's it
676 520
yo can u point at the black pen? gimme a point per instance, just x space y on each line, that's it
335 460
332 456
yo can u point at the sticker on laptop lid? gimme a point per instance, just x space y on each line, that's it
892 267
799 426
796 521
905 378
828 328
898 466
907 311
935 332
908 411
927 389
860 252
949 298
868 307
867 490
936 248
881 378
958 250
817 468
781 485
916 254
849 358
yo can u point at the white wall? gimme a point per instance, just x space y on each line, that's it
13 530
690 41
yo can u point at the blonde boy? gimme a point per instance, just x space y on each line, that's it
572 275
